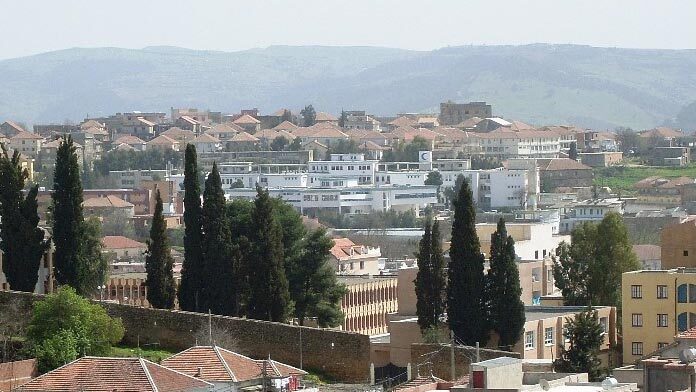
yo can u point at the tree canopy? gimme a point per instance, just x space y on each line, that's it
65 326
585 334
588 272
309 116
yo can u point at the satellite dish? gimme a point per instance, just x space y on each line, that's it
544 384
688 355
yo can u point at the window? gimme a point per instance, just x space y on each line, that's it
549 275
686 253
636 291
529 340
682 293
637 348
604 322
636 320
682 322
692 293
661 291
661 320
548 336
662 345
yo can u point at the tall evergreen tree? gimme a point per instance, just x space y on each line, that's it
424 305
314 288
191 288
573 151
92 263
269 298
21 240
67 216
309 116
467 313
219 275
430 281
342 119
161 288
504 289
584 332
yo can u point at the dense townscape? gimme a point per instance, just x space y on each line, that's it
199 250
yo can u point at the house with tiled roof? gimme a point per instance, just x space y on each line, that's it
266 137
223 367
92 124
164 142
242 141
189 123
123 247
108 207
362 136
104 374
10 128
469 124
285 126
250 124
206 143
563 172
662 191
46 160
352 259
225 131
402 121
132 141
183 136
323 117
27 143
372 150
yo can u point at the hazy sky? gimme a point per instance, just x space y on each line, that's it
29 27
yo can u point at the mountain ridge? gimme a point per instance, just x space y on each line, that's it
537 83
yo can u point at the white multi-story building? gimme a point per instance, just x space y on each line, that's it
523 144
589 211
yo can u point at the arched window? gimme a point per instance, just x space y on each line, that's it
682 293
682 322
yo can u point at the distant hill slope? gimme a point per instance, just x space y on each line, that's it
540 84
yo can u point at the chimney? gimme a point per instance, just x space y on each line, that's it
198 372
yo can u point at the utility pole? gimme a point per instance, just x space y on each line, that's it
210 328
452 369
300 347
478 352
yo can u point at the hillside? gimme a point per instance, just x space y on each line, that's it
540 84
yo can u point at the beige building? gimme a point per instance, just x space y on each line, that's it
352 259
678 243
368 302
656 305
124 248
27 143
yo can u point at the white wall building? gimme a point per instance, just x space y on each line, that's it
589 211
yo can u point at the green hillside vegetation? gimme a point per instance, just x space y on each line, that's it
622 178
540 84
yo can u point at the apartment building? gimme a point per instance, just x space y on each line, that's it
594 210
352 259
506 143
368 302
656 306
678 243
358 119
454 113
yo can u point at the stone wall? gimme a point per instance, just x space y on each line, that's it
343 356
436 357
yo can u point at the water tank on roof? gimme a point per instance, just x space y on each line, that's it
609 383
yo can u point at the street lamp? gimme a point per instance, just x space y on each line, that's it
101 292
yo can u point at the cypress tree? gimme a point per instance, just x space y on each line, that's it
269 298
573 151
219 273
190 290
506 308
67 215
467 313
21 240
585 334
159 262
424 303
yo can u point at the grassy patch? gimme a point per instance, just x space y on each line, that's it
151 354
622 178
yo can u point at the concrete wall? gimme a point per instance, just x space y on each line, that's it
14 374
342 355
679 245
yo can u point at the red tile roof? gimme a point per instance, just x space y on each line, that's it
323 116
246 119
121 242
285 126
107 201
113 374
221 365
129 139
244 137
26 135
554 164
403 121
